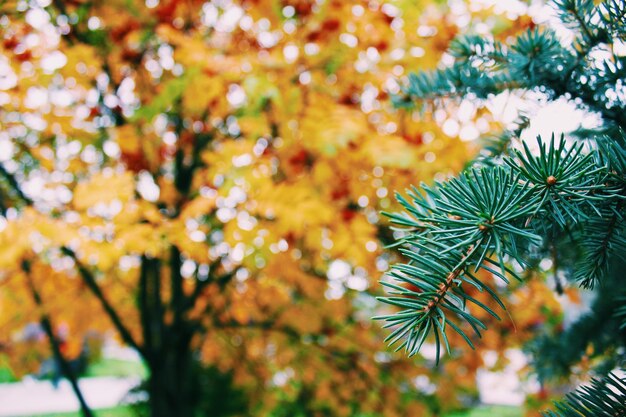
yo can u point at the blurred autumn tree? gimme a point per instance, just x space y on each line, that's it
204 179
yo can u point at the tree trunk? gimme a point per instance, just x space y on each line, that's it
172 379
173 382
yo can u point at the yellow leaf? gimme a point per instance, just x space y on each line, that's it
104 188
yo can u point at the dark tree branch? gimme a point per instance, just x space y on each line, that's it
144 311
177 301
221 280
91 283
55 344
151 309
332 354
12 182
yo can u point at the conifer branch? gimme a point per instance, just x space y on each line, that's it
458 227
604 397
504 209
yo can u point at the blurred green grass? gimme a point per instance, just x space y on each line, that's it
6 374
108 412
116 367
104 367
490 412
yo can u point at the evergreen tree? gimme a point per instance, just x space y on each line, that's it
516 205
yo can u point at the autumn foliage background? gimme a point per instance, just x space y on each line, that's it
215 171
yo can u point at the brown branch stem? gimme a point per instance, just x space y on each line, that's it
447 284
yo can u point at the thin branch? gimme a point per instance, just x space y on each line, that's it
177 297
85 274
447 284
144 312
221 280
90 280
55 344
270 326
582 24
12 181
151 309
555 269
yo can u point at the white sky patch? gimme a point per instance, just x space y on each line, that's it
210 14
349 40
368 98
36 97
450 127
424 385
304 78
334 291
166 57
147 188
61 98
94 23
311 48
8 78
357 283
340 277
281 378
225 214
236 195
245 221
187 268
291 53
289 11
238 252
469 132
619 47
466 111
6 147
559 117
4 99
126 92
242 160
505 387
236 96
111 148
246 23
397 54
372 54
34 122
53 61
268 39
417 52
229 20
197 236
37 18
34 186
338 270
505 107
289 27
